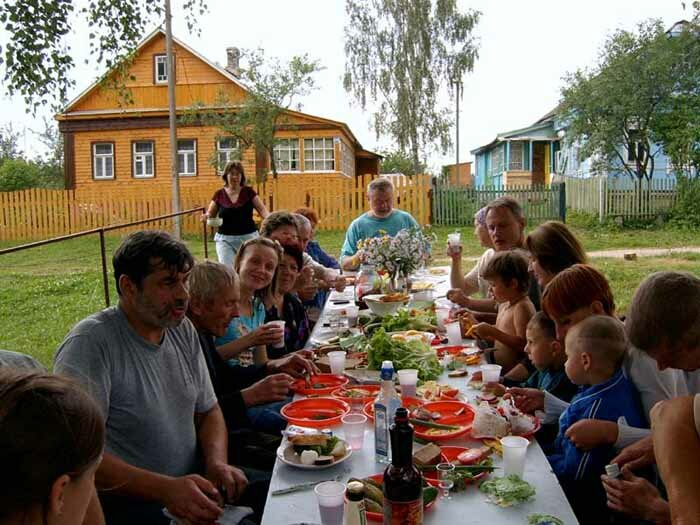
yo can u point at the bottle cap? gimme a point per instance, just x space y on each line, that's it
387 372
401 414
612 470
355 491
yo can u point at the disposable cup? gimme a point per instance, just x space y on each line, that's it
514 452
490 373
354 430
408 378
352 312
215 222
454 333
442 315
454 239
337 362
330 496
280 342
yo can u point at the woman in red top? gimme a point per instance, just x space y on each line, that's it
234 204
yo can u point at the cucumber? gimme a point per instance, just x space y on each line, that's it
373 506
372 492
429 495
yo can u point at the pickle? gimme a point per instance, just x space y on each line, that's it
373 492
373 506
429 495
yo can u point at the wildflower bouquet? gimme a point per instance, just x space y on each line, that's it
400 255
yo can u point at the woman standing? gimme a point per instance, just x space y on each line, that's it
256 264
234 204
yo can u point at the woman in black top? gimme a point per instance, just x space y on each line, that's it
234 203
286 306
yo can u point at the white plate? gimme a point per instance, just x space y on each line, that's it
286 452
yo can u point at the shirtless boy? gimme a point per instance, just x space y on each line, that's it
508 281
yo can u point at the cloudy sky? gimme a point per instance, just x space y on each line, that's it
526 47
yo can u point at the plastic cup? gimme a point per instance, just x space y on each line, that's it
354 430
408 379
337 362
490 373
352 313
442 315
280 343
331 497
215 222
514 452
454 333
454 242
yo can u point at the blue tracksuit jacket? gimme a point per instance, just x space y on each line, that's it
609 401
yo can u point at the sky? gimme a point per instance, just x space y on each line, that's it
526 47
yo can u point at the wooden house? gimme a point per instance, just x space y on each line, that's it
112 147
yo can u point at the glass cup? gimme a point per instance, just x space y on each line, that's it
454 333
337 362
445 480
514 452
442 315
280 342
354 430
352 313
408 379
490 373
330 496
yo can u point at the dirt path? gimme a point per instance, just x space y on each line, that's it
642 252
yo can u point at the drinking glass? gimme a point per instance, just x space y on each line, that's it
445 478
330 496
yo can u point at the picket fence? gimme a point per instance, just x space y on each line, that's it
42 213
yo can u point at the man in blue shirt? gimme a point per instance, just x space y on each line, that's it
382 217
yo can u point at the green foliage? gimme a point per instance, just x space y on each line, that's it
37 56
9 147
399 162
686 210
400 55
18 174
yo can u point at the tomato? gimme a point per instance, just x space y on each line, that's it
473 455
449 392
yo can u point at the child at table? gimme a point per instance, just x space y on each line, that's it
595 349
509 280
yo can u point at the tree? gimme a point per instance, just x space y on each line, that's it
37 57
9 147
614 109
399 162
401 54
271 89
18 174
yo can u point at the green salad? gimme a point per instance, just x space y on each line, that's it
321 450
404 354
543 519
507 491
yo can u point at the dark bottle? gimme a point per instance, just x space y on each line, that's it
403 483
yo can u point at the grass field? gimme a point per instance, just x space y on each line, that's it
45 291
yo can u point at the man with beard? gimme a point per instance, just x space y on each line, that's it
142 362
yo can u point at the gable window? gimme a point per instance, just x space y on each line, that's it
103 160
287 155
319 155
227 149
142 159
160 69
187 157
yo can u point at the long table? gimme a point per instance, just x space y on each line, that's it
469 506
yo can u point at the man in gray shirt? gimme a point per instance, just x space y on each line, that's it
142 362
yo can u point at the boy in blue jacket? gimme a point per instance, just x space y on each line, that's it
595 348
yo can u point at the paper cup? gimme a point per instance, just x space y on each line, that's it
337 362
408 378
442 315
490 373
514 452
330 496
280 342
454 333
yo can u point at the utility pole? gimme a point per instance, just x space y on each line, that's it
458 90
172 118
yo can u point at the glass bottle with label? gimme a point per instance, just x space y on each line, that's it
385 407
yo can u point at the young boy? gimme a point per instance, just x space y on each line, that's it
595 348
509 280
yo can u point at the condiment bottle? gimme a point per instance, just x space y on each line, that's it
355 513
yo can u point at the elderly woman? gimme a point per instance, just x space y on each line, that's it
313 248
473 281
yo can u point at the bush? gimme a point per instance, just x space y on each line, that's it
686 211
18 174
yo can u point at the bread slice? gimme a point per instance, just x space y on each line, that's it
310 440
428 455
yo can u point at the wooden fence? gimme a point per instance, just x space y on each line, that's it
622 197
41 213
456 206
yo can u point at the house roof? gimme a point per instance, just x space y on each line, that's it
520 134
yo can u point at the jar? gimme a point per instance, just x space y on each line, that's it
366 282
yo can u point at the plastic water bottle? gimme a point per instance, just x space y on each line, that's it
385 407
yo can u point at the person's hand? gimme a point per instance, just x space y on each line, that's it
230 480
204 217
590 433
293 364
305 353
527 399
483 330
636 497
192 498
339 283
266 334
457 296
272 388
636 456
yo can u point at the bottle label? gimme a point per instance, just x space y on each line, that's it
381 431
403 512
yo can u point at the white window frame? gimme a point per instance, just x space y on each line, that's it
292 147
514 164
316 156
141 158
99 161
190 154
158 79
229 154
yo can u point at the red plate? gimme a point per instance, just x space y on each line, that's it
319 412
408 402
370 392
376 516
447 409
452 350
329 381
449 454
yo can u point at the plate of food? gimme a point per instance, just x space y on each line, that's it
442 420
471 465
319 384
385 304
495 422
374 496
319 412
408 402
356 393
438 271
413 335
314 451
434 391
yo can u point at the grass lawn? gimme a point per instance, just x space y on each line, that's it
45 291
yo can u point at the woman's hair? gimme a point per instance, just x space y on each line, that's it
49 426
295 253
208 278
555 247
267 243
544 323
231 166
576 287
309 214
507 266
276 220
